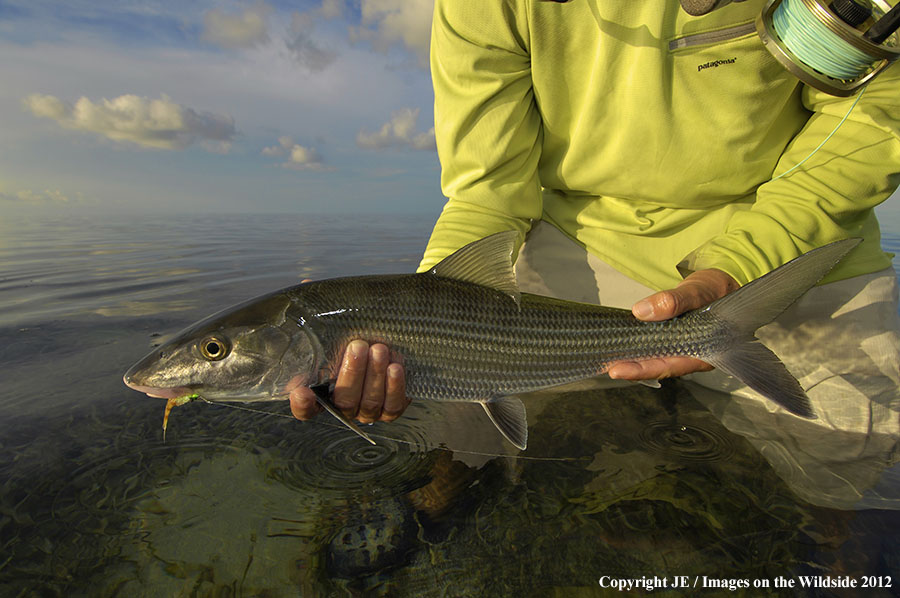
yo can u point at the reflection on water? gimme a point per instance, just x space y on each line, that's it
620 481
153 264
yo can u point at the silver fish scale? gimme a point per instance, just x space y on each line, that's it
461 341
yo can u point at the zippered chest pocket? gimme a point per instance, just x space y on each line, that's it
745 63
711 37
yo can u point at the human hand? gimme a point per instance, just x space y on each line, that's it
370 387
697 290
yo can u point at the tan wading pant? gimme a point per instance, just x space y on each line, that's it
841 341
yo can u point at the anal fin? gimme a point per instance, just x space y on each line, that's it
650 383
508 414
323 397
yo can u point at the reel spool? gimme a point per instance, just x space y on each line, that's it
836 47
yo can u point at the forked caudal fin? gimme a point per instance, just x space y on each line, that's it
758 303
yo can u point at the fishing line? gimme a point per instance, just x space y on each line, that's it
819 47
824 141
398 440
832 46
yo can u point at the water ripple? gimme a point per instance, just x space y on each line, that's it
332 460
690 443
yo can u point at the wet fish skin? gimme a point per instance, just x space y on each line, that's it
465 342
465 333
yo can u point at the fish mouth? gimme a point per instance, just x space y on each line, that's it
177 392
158 393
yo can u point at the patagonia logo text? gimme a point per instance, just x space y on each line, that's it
715 63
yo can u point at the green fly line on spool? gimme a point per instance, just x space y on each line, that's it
818 46
831 48
836 48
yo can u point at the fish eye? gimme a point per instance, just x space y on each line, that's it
214 348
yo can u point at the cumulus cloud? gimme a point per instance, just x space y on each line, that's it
160 123
284 144
298 157
303 158
383 24
45 106
388 22
242 30
400 131
301 46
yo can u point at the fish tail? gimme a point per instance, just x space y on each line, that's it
758 303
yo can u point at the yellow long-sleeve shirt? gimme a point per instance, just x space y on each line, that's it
651 137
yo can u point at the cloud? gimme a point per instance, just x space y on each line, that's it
300 45
44 106
388 22
303 158
332 9
284 144
299 157
400 131
160 124
27 196
243 30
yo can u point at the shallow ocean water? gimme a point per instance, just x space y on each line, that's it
618 482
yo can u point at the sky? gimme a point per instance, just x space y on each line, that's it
320 106
265 106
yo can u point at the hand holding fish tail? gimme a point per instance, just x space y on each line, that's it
370 387
697 290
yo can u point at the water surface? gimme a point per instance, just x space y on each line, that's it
623 482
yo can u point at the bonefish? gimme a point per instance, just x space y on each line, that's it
466 333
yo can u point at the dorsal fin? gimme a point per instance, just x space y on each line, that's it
487 262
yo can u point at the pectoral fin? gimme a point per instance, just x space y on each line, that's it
508 414
323 397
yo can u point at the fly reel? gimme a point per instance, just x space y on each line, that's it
836 47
